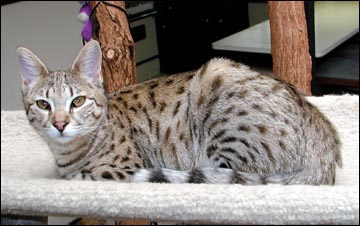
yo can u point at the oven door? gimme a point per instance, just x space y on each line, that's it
143 31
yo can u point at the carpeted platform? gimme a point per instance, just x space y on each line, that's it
29 185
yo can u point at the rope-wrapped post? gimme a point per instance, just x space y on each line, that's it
117 45
289 43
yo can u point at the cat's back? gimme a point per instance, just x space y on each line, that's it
162 86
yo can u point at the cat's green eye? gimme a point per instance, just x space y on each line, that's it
42 104
78 101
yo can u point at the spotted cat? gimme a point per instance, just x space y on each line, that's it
223 123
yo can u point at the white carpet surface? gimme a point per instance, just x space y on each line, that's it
30 186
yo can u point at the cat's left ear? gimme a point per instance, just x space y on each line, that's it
87 64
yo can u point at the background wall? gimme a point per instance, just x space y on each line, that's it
50 29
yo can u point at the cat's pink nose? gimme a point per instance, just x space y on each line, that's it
60 125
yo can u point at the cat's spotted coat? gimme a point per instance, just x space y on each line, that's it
223 123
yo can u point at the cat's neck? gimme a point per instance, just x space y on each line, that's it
73 155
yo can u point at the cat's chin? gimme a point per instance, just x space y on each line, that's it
64 139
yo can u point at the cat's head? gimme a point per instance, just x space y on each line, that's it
64 106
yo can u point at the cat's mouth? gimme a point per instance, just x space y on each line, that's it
64 138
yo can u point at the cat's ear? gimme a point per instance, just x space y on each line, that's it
88 63
31 67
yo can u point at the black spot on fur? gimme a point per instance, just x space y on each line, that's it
219 134
167 134
158 130
262 129
86 171
229 109
122 139
223 165
107 175
162 106
229 150
257 107
130 172
169 82
242 158
282 145
228 140
201 100
238 179
217 122
133 109
181 90
196 176
242 113
181 137
215 85
242 140
242 94
157 176
231 94
125 159
148 118
125 103
115 106
176 109
273 114
245 128
276 87
211 150
268 151
152 99
126 91
189 77
283 132
120 175
137 165
153 86
116 157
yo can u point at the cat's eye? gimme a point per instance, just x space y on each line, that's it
42 104
78 101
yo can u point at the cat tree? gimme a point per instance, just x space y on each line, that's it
289 43
288 30
117 45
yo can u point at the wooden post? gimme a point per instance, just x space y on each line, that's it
113 33
289 43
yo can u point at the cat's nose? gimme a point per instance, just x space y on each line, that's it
60 125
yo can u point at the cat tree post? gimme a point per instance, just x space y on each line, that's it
289 43
113 33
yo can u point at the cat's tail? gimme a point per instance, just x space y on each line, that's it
210 175
198 175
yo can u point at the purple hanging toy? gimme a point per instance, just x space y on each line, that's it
84 16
